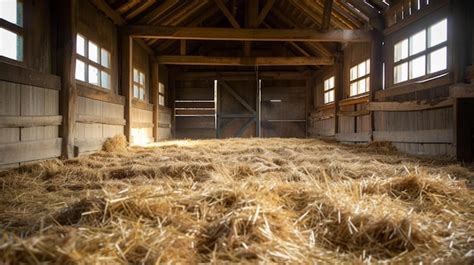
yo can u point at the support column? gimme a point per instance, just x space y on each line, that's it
126 82
66 68
155 86
376 66
338 91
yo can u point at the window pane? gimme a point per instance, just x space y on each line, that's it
105 80
93 75
367 84
11 45
361 86
401 50
93 52
142 94
12 11
418 42
361 69
161 88
135 91
135 76
326 84
438 60
368 66
438 33
80 45
80 70
418 67
142 79
354 73
353 91
331 82
401 73
161 100
331 96
105 58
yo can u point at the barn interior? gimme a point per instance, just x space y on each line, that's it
191 131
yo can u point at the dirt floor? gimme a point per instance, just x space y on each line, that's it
270 200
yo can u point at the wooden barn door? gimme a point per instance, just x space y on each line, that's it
237 108
195 109
283 108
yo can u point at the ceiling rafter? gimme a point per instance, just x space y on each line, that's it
227 13
327 14
157 11
117 19
264 12
289 22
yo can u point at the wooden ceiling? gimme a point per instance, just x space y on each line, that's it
279 14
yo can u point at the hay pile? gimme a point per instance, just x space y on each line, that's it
117 143
267 200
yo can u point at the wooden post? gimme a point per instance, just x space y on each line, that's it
251 17
338 91
66 68
375 72
155 86
182 47
127 79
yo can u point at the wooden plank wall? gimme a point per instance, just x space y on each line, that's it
35 112
417 117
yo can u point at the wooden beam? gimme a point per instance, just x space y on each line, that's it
126 82
264 12
100 120
423 136
196 33
326 14
462 91
353 137
67 21
29 121
227 13
411 105
243 61
21 75
92 93
355 113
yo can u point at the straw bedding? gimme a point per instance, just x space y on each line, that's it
253 200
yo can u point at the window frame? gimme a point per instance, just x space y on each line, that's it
19 30
161 94
87 62
425 53
356 80
329 90
138 84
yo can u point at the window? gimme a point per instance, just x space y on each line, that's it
360 78
138 84
329 90
161 94
93 63
11 35
423 53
